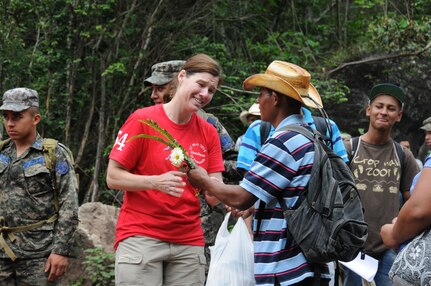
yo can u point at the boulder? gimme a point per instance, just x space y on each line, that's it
96 229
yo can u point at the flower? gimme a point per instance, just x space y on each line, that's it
178 154
177 157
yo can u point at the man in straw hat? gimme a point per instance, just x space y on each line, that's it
260 130
380 175
284 88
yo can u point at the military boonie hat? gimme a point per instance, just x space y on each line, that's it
427 124
19 99
388 89
162 73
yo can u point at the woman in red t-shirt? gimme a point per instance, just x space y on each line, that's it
159 239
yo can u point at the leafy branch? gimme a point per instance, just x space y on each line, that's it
170 141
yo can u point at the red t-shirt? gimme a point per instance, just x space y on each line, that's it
150 212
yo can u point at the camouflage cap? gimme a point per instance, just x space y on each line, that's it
19 99
427 124
162 73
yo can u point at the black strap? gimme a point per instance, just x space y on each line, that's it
354 145
265 128
324 127
401 156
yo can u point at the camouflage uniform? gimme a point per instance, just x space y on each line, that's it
27 197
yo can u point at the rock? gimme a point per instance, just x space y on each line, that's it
96 229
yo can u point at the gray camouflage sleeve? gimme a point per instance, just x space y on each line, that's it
67 223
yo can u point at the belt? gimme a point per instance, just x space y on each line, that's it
9 231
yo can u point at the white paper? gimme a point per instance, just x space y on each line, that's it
366 268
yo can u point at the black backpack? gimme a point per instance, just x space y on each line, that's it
329 224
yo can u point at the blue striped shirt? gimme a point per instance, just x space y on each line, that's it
281 168
250 144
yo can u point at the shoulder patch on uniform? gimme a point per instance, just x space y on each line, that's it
35 161
37 144
4 158
226 141
211 120
61 167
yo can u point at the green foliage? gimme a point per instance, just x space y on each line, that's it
100 266
72 52
399 34
115 68
335 92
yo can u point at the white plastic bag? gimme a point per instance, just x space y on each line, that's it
232 257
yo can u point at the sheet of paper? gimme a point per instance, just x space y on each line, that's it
366 267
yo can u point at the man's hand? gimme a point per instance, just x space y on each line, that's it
56 265
198 177
240 213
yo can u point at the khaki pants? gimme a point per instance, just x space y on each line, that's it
146 261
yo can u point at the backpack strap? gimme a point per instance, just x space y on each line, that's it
320 124
49 146
324 127
265 128
354 143
3 143
401 156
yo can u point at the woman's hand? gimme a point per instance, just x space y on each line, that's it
170 183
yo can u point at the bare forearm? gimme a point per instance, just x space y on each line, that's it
412 220
122 179
231 195
415 215
129 182
211 199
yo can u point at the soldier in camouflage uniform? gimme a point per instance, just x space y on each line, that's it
163 83
36 229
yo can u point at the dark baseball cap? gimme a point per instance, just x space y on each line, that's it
162 73
388 89
19 99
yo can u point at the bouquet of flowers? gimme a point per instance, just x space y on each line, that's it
179 157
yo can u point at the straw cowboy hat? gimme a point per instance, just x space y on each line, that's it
253 110
288 79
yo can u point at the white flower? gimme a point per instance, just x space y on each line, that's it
177 157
